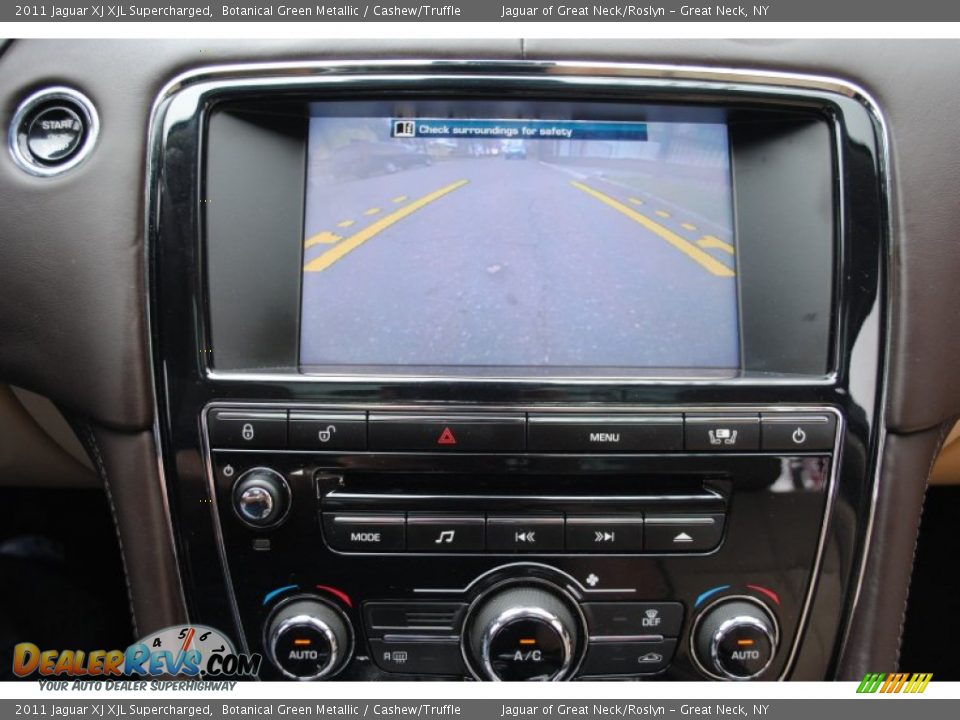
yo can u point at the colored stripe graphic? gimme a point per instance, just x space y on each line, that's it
894 683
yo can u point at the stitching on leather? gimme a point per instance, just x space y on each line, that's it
102 470
944 431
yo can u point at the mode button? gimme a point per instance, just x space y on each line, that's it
365 533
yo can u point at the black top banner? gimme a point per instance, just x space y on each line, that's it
486 11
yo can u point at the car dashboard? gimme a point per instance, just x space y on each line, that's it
496 360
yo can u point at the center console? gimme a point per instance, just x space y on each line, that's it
519 371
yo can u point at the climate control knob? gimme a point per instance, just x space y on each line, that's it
735 639
307 639
525 632
261 497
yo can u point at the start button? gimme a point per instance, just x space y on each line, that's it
54 134
52 131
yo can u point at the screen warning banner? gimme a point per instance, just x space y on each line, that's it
518 129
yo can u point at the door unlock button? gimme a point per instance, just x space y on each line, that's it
327 431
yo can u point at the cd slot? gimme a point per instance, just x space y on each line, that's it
531 493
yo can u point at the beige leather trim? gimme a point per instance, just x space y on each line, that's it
37 446
946 469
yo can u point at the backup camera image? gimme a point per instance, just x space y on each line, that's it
524 243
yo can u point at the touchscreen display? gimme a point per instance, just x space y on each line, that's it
538 243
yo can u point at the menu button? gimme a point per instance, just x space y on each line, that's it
605 433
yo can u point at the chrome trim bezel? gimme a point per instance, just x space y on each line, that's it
284 489
206 85
688 76
78 102
714 641
574 658
725 628
338 655
318 625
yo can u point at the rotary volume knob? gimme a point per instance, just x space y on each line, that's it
307 639
261 497
736 639
523 633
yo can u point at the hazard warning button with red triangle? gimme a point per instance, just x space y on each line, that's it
481 433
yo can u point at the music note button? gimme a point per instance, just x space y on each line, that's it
432 533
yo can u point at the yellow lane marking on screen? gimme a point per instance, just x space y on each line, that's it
636 201
710 241
399 198
371 211
662 213
356 240
346 223
326 238
688 226
687 248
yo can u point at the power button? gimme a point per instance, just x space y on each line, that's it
54 134
785 432
53 130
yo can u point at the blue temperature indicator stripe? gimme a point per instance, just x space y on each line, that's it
273 593
710 593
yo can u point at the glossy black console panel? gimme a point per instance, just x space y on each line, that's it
785 514
770 510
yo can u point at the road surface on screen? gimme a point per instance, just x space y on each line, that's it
494 251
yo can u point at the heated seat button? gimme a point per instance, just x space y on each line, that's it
603 434
261 429
628 657
722 433
798 432
525 534
605 534
682 533
606 619
398 654
365 533
445 533
327 431
454 433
